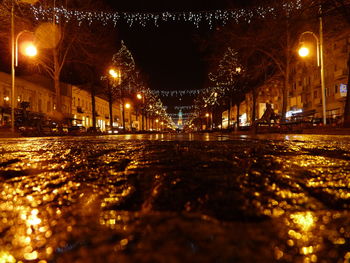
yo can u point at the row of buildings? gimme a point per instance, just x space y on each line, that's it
304 92
38 94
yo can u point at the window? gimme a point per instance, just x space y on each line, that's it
336 89
328 92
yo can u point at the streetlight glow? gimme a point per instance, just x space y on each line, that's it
139 96
30 50
127 105
304 52
113 73
320 63
207 115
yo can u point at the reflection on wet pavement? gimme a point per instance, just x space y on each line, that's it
175 198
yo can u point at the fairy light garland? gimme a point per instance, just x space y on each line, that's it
143 18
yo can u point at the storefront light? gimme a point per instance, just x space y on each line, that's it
290 113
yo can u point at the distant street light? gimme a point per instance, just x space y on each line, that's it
140 97
207 115
128 106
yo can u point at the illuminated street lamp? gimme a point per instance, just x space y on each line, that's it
304 52
128 106
140 97
113 73
29 50
207 115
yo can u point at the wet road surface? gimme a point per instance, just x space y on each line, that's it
175 198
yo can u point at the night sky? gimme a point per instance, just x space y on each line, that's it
169 54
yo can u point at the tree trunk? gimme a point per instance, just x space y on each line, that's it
285 87
57 83
347 102
229 113
221 119
93 105
237 117
110 102
254 105
123 115
143 120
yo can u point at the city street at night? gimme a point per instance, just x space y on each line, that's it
175 198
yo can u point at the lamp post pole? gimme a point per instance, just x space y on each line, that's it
320 64
323 86
12 69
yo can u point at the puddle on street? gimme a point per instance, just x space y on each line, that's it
159 199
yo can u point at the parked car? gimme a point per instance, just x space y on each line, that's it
76 130
94 130
113 130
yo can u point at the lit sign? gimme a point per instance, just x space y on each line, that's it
290 113
343 90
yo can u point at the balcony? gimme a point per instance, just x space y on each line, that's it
339 74
340 96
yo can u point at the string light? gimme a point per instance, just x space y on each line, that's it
143 19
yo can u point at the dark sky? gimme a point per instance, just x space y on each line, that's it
168 54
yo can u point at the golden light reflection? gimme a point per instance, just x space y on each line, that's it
6 257
304 220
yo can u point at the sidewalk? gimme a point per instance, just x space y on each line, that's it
7 133
315 130
327 131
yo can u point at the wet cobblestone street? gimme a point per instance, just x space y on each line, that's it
175 198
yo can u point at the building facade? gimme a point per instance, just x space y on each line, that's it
38 94
305 92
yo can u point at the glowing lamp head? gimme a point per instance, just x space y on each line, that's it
157 120
127 105
207 115
304 52
113 73
29 49
139 96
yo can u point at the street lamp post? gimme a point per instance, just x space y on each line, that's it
113 74
303 52
128 106
29 51
140 97
207 116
